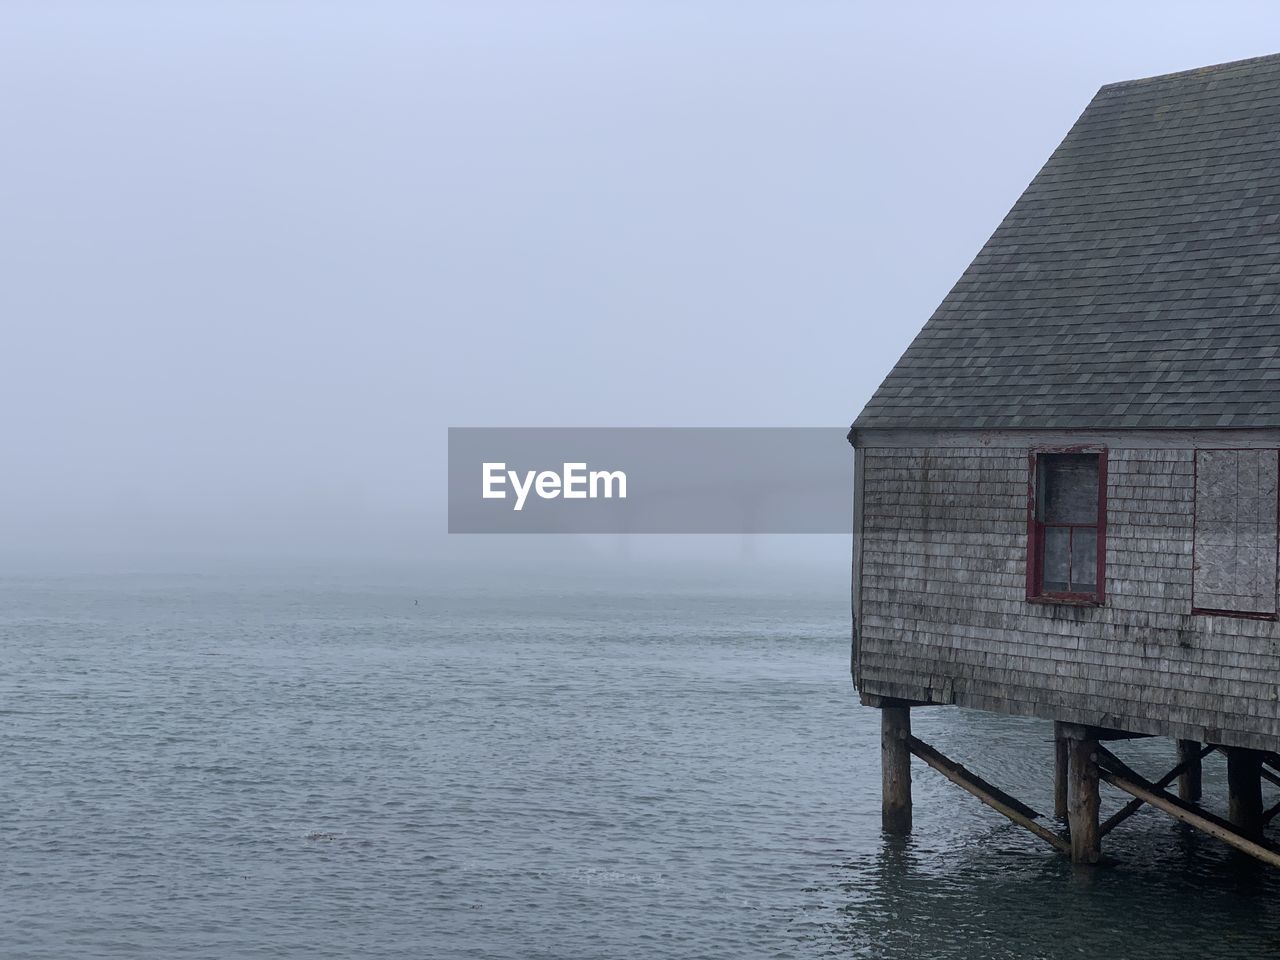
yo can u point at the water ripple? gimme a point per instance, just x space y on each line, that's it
199 768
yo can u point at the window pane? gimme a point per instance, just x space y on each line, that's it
1069 487
1056 561
1084 560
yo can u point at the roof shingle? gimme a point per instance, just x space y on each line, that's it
1135 282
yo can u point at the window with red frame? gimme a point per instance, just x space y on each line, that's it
1067 526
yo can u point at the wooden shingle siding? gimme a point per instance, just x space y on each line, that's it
944 618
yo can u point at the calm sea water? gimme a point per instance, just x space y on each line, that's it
318 766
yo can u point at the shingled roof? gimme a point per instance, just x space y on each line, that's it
1133 285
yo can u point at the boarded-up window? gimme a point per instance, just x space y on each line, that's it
1235 533
1067 527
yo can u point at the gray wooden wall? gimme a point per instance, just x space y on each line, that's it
940 600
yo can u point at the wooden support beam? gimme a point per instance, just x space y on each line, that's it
1060 751
1189 778
877 701
1244 781
995 798
895 769
1133 806
1269 776
1082 801
1116 773
1107 733
1270 814
945 765
1079 731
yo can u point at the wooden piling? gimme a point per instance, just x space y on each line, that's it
1060 752
895 768
1189 781
1244 781
1082 800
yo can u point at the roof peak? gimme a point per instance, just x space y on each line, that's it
1135 283
1195 71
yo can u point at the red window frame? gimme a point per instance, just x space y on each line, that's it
1036 532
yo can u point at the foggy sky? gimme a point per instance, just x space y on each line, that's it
257 257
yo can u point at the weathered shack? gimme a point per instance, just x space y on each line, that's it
1067 486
